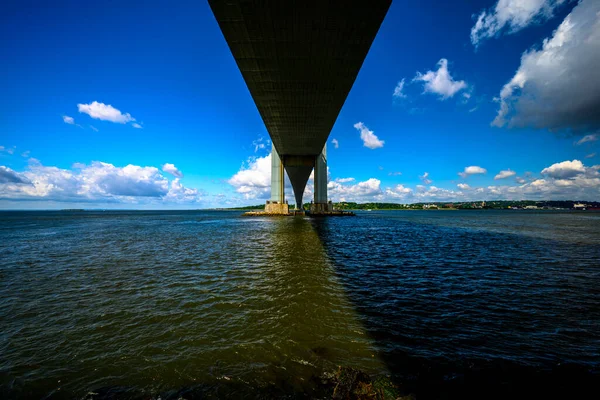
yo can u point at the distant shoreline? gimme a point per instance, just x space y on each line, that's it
512 205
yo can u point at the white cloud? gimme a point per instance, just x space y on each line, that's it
580 186
93 128
591 155
565 169
336 144
68 120
425 178
434 193
557 86
398 192
398 90
472 170
180 194
588 139
344 180
357 192
7 175
254 180
527 177
567 181
98 182
25 153
505 174
172 169
136 125
513 15
105 112
395 173
369 139
440 82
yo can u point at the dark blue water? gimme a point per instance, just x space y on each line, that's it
473 304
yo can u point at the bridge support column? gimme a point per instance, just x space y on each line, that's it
320 204
277 204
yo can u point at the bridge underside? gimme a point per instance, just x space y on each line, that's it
299 59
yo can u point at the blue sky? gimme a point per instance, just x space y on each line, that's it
140 105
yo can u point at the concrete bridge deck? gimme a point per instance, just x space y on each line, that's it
299 59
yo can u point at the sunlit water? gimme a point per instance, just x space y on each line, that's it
173 304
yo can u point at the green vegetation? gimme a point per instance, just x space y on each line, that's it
470 205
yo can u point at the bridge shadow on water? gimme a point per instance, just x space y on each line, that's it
287 323
439 342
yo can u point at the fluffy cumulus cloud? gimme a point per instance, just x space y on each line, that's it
68 120
7 175
567 180
560 181
472 170
440 82
434 193
369 139
360 191
335 143
398 90
180 194
557 87
511 16
565 169
98 182
172 169
253 180
105 112
505 174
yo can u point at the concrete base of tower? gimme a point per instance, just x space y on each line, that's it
272 208
277 208
317 208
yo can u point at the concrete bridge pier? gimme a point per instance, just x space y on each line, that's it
298 169
320 204
277 203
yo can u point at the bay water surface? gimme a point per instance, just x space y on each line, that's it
195 304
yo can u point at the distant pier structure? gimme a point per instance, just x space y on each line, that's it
299 59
